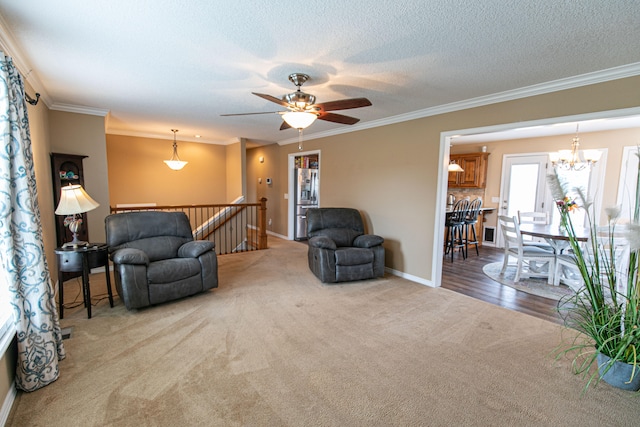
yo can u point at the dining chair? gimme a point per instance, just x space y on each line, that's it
525 255
534 218
455 228
470 224
566 269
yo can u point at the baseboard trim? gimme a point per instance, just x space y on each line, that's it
8 404
410 277
271 233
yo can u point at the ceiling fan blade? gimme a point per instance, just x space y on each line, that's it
338 118
344 104
272 99
284 125
249 114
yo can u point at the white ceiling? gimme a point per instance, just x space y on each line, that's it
163 64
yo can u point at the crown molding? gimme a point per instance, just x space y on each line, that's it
81 109
166 136
629 70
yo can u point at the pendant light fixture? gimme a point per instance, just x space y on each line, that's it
570 159
175 163
454 167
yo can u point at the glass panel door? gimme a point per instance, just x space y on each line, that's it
523 186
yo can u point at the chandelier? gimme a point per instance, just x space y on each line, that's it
175 163
570 159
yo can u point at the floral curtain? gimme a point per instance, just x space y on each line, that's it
22 256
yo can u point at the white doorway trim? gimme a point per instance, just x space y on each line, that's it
290 195
445 142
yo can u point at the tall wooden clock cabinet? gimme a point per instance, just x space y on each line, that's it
67 170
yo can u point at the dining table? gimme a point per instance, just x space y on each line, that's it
554 234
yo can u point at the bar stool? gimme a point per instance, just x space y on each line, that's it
470 223
455 228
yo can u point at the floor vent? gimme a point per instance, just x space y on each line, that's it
489 234
66 333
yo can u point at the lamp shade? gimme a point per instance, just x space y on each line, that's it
299 119
74 200
176 165
454 167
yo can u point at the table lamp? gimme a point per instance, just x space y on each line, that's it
73 202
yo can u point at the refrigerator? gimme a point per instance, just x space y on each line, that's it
306 196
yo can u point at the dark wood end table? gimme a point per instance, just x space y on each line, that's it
82 259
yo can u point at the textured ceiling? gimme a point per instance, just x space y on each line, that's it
157 65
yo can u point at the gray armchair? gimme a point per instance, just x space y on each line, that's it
155 258
339 251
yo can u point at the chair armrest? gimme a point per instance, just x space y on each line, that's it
195 248
367 241
322 242
130 256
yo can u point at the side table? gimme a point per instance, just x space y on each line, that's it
83 258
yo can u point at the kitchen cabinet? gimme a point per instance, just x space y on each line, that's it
475 170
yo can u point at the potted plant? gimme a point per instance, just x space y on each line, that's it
605 311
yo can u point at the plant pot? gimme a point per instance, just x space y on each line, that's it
618 375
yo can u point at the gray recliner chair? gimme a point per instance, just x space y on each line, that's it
339 251
156 259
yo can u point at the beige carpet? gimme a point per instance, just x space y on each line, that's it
272 346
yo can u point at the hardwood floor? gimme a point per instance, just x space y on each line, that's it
466 277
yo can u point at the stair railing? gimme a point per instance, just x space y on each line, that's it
233 227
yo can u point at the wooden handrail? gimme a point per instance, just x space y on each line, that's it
216 208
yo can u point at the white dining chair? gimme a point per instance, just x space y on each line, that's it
567 272
534 218
526 256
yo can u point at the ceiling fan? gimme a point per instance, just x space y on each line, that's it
302 110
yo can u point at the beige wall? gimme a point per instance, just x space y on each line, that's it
269 168
138 174
73 133
235 155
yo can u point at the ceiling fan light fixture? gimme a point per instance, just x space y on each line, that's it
299 119
299 99
175 163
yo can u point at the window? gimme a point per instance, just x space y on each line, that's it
590 181
7 329
628 181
